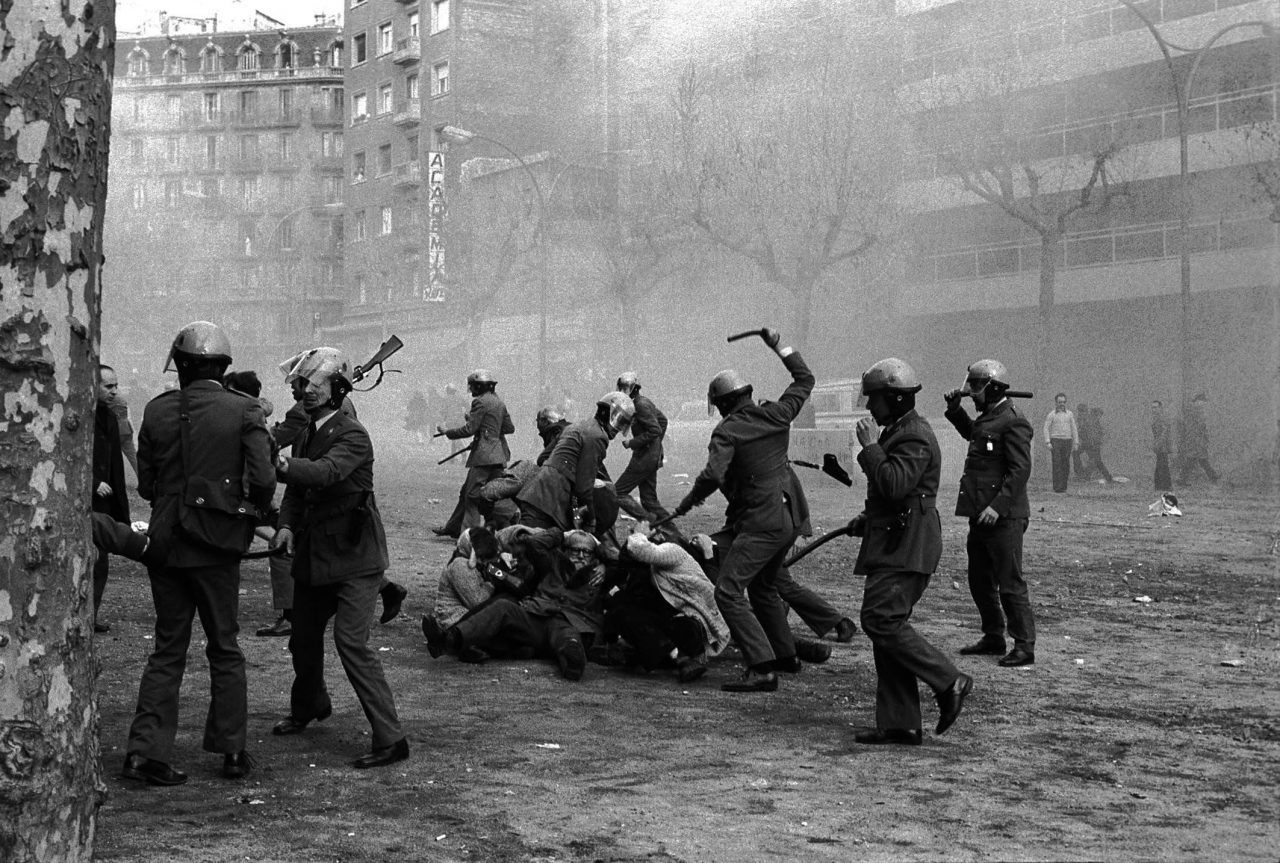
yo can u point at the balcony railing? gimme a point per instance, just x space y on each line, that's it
408 51
228 76
328 116
408 175
1121 245
409 114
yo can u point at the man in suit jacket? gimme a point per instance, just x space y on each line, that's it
993 496
109 496
648 428
901 544
747 461
221 463
329 521
488 425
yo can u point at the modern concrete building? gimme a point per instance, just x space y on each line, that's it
226 193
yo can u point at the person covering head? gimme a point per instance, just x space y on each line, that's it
547 417
726 390
629 383
889 389
199 344
615 412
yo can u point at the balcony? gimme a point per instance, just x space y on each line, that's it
407 175
408 51
409 115
287 117
328 116
250 163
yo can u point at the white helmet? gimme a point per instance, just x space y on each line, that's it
621 410
325 371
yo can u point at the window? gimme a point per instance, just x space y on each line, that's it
440 79
286 146
358 167
209 60
172 193
384 160
386 221
211 151
135 148
286 55
249 191
333 190
411 86
286 103
248 104
335 56
139 196
137 108
171 150
385 43
361 292
330 144
247 60
286 233
413 25
358 218
439 15
359 108
173 105
411 148
173 62
137 64
384 98
359 51
211 106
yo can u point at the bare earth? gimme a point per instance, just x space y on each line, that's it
1130 739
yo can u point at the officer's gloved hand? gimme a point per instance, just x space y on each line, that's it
953 398
771 338
857 525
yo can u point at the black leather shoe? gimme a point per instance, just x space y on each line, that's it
752 681
788 664
101 627
282 627
877 736
572 659
151 772
951 701
812 651
846 629
985 646
397 751
1018 657
434 634
444 532
291 725
392 598
236 765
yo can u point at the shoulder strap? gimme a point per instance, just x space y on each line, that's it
184 431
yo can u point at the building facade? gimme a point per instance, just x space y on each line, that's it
226 193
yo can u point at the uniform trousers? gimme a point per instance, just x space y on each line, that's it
642 473
1163 478
179 595
747 591
467 512
996 582
350 604
820 615
281 566
901 654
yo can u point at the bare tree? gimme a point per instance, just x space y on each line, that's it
53 172
793 175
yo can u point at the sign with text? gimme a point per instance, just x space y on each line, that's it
435 229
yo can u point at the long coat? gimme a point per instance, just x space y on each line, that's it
489 424
108 464
998 464
229 449
330 506
747 461
902 532
569 473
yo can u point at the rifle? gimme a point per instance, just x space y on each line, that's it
384 352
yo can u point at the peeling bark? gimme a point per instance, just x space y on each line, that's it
56 58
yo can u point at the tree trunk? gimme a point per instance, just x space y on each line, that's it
54 84
802 290
1050 253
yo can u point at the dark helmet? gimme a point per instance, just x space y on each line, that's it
725 385
202 340
984 373
480 376
627 382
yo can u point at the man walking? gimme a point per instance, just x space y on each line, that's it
901 545
198 448
993 496
487 424
648 428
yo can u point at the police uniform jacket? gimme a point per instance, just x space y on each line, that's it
489 423
570 472
648 428
228 449
747 461
329 504
902 532
998 463
108 464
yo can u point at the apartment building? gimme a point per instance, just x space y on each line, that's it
1042 90
226 193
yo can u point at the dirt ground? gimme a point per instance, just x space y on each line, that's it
1147 730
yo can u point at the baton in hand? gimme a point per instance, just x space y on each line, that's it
748 334
454 455
813 546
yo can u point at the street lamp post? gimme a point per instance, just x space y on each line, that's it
1182 97
456 135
